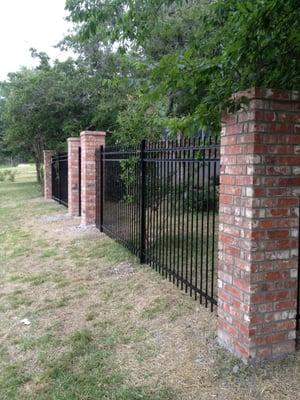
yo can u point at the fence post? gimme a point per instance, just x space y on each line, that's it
73 176
298 289
90 141
259 225
48 174
79 181
100 187
143 203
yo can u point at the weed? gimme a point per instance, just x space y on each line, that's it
90 316
12 379
31 342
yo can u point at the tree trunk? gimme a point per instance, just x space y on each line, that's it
38 148
38 168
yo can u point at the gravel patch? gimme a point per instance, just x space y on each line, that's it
56 217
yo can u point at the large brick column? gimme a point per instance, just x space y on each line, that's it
73 175
90 141
259 223
47 174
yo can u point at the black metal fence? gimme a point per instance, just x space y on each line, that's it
59 164
298 288
79 181
161 201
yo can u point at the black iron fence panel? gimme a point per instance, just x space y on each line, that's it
119 200
298 288
161 201
79 181
59 166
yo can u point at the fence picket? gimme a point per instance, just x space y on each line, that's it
161 201
59 166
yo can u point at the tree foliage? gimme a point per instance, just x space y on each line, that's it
149 68
198 52
43 106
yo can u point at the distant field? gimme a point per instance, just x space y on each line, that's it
24 172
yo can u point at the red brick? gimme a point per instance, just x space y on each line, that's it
242 284
289 117
276 296
89 142
263 353
230 190
238 294
229 119
290 181
288 202
73 177
278 170
226 199
227 179
287 244
235 170
285 305
228 141
279 212
283 106
243 351
270 116
233 251
257 212
234 149
268 339
276 275
234 129
284 348
48 174
287 160
244 180
228 159
278 234
292 139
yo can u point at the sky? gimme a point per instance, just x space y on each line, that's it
30 23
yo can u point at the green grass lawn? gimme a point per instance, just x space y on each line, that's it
101 327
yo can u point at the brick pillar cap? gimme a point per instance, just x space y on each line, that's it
93 133
272 94
74 139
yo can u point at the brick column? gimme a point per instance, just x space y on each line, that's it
47 174
73 175
258 242
90 141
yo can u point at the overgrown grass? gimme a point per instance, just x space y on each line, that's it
54 365
101 327
86 371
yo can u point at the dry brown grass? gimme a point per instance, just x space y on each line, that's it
67 279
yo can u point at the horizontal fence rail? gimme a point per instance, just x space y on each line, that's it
59 165
160 200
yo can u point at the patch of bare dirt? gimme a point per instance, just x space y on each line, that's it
123 271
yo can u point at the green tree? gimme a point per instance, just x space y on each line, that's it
197 53
43 106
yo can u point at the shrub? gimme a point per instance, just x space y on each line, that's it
8 175
203 200
12 176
